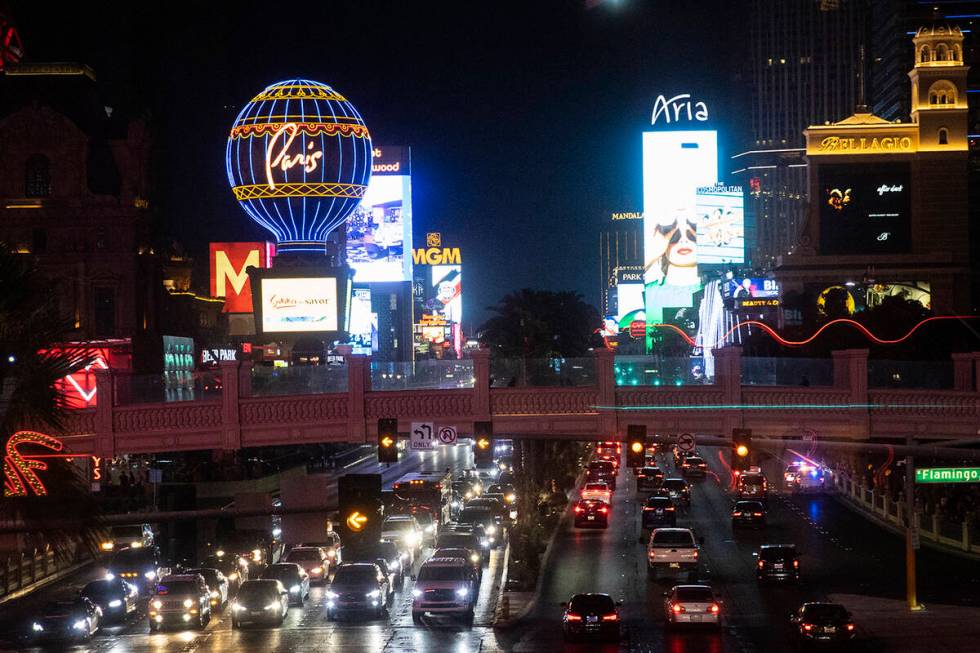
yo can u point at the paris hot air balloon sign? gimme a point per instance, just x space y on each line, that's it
298 160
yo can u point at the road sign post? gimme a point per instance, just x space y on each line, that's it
947 475
422 436
686 442
448 435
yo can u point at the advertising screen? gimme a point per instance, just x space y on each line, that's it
629 303
229 272
721 224
363 326
447 292
379 231
305 304
675 165
755 287
865 209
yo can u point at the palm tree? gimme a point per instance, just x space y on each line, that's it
541 324
30 329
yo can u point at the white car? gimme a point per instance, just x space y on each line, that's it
445 586
404 531
597 492
674 550
692 605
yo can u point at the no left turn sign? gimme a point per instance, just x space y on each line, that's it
685 442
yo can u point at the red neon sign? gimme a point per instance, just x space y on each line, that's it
21 469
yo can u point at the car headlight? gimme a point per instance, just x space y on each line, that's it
491 530
150 575
81 624
215 594
157 604
115 603
294 589
430 529
474 558
395 565
332 595
37 628
462 592
510 498
110 576
317 570
135 545
469 495
373 594
188 603
256 555
107 546
233 575
235 607
416 593
411 539
484 543
220 553
272 606
331 553
513 514
455 505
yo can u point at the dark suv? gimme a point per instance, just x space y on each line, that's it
659 511
777 562
180 599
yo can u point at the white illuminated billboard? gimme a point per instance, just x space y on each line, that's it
721 224
304 304
363 325
629 302
447 292
675 164
379 231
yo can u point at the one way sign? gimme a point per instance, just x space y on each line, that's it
423 437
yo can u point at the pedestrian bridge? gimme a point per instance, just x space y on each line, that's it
845 397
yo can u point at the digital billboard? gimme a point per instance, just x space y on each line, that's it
229 272
753 287
447 292
379 231
865 209
362 327
299 304
721 224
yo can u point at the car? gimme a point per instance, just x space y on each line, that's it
396 561
511 513
471 555
142 567
591 513
483 517
312 559
445 586
677 489
503 447
64 621
293 577
658 511
649 478
427 521
132 536
811 479
504 463
116 598
598 490
790 474
465 489
748 513
601 470
674 550
752 485
404 531
358 587
255 548
501 512
823 623
506 489
506 477
331 545
464 539
179 599
234 568
694 466
217 586
592 616
260 601
777 562
692 605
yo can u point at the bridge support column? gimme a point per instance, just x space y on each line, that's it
105 435
851 372
358 384
728 376
965 366
231 426
605 375
481 385
245 378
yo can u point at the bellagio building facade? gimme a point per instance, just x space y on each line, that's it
888 201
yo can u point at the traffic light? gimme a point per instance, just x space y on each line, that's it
741 449
482 443
359 497
636 444
387 440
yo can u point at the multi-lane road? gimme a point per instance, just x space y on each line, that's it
840 553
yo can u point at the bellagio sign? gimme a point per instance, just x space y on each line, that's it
229 272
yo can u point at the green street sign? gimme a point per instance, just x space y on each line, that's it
947 475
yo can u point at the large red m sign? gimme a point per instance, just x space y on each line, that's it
229 272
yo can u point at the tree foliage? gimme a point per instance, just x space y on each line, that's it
541 324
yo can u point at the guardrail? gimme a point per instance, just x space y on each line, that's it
942 534
21 571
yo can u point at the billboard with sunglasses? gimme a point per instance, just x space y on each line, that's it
675 165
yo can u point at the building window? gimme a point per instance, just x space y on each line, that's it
105 311
924 57
37 180
942 52
943 136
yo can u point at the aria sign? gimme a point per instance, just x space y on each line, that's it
678 108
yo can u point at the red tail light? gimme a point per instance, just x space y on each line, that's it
610 617
736 514
603 510
850 627
796 564
578 508
808 627
715 608
573 617
677 608
670 509
762 563
757 514
647 508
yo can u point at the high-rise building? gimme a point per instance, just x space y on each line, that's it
620 248
805 59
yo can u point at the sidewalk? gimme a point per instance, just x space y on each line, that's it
888 623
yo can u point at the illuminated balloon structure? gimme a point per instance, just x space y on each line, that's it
299 161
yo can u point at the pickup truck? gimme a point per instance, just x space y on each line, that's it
675 551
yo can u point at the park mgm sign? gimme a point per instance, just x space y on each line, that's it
434 253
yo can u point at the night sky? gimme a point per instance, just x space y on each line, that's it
524 118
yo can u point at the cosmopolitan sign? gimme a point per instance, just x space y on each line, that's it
947 475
